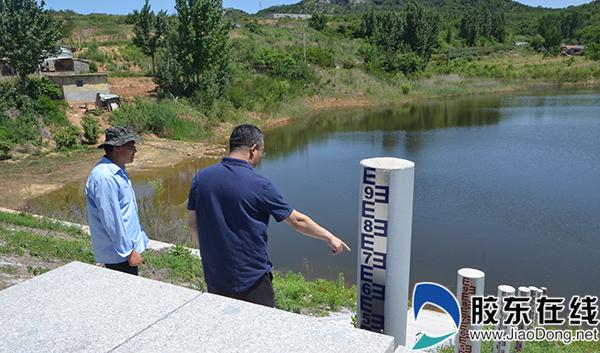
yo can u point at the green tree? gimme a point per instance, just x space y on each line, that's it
150 30
196 59
498 30
404 41
421 29
318 21
468 29
549 29
28 33
590 35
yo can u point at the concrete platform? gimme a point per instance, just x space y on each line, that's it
84 308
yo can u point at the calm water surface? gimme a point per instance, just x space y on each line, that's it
506 184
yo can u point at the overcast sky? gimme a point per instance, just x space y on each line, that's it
251 6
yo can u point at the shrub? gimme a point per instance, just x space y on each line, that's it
320 56
67 137
280 64
171 119
36 88
93 66
593 51
318 21
94 53
537 42
404 62
254 27
52 112
91 129
405 88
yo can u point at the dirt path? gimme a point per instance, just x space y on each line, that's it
130 87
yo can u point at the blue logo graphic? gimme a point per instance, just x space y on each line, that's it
435 294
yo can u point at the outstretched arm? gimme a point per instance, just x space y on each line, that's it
305 225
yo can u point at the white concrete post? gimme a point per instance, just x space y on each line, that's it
524 292
470 283
535 294
384 237
503 292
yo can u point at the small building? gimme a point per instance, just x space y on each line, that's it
572 49
295 16
64 61
65 65
80 88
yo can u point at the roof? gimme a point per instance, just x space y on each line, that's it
107 96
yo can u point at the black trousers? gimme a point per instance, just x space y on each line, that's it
123 267
260 293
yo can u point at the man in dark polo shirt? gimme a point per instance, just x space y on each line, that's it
229 208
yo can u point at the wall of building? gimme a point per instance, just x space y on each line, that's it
81 88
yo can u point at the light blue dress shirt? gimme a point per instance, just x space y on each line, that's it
113 214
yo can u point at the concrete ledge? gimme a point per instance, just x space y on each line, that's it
85 308
218 324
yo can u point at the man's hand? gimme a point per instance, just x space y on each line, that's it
337 245
134 259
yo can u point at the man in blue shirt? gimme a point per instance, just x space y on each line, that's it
229 208
117 235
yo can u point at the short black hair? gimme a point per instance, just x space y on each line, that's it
108 149
245 135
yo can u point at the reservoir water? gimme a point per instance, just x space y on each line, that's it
506 184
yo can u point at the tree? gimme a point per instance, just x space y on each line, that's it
421 29
27 34
318 21
404 41
480 22
469 27
498 27
549 29
196 59
591 37
150 30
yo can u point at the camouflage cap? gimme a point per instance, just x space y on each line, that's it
118 136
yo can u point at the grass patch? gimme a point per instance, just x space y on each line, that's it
25 220
45 247
294 293
542 347
172 119
176 265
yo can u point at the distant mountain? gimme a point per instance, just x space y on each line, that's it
357 6
522 18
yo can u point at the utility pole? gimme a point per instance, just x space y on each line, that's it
304 42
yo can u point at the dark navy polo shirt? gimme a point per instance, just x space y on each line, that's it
233 204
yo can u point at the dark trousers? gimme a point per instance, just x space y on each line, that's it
123 267
261 292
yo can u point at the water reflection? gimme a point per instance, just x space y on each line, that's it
508 184
413 118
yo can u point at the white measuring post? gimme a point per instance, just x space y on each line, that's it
504 291
384 237
470 283
523 292
536 293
